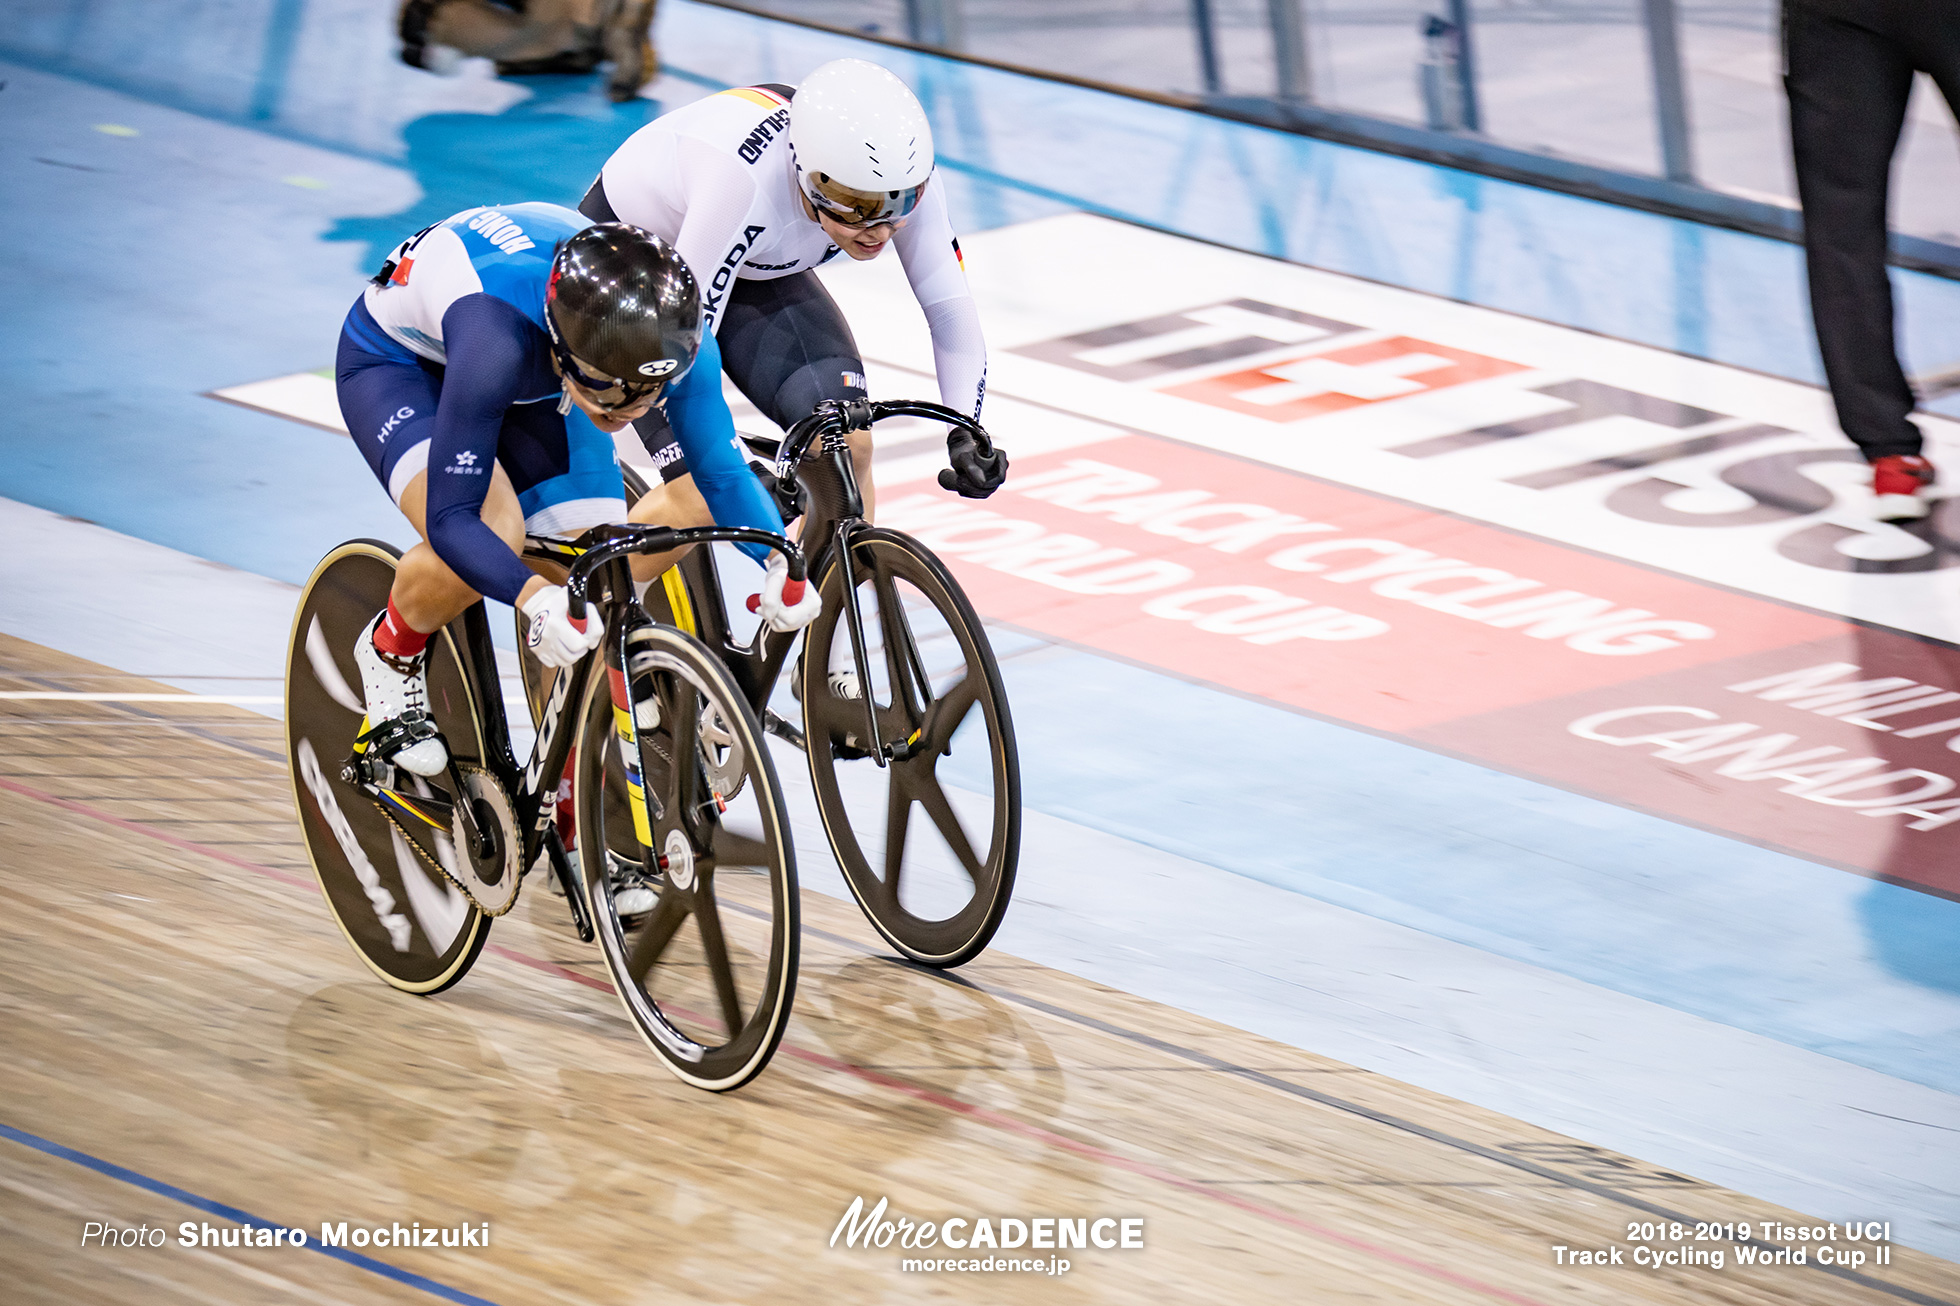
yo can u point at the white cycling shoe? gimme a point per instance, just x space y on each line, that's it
392 688
632 896
842 683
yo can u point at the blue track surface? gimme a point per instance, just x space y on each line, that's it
319 71
1801 953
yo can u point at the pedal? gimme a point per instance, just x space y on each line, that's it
541 865
366 770
376 746
634 893
783 730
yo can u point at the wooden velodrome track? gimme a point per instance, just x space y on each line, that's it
180 1012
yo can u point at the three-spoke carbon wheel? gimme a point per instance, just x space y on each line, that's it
410 925
935 881
709 975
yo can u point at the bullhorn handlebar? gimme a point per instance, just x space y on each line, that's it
602 544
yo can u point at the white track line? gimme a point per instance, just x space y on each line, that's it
141 698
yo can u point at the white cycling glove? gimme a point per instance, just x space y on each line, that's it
552 637
784 603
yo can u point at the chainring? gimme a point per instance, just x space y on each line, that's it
452 860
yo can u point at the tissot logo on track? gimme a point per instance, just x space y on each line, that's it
1322 377
1696 468
1289 390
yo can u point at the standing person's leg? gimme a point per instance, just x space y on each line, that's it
628 42
1848 86
541 36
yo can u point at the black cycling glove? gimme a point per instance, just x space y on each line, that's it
975 474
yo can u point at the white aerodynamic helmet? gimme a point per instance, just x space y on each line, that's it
862 145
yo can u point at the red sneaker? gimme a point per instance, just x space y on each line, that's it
1899 484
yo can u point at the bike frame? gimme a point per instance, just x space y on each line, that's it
596 574
835 515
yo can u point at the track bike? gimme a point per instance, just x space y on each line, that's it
896 677
669 769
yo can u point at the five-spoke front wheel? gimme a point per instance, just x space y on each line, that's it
707 977
929 842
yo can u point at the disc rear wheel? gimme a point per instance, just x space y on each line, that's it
409 924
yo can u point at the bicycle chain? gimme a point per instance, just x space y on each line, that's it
435 865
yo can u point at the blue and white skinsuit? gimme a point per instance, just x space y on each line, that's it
446 367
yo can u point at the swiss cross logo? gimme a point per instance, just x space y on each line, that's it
1288 372
1291 390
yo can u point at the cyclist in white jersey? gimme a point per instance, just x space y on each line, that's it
756 188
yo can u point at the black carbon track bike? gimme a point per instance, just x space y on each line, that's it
905 720
674 790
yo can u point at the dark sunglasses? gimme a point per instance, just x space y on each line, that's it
607 392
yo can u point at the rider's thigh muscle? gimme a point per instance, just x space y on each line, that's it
501 512
676 503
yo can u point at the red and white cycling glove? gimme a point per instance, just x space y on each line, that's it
784 603
552 635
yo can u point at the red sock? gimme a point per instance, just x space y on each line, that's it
395 637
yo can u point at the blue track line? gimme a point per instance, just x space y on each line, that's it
237 1216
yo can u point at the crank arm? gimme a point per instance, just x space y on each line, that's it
561 866
783 730
479 838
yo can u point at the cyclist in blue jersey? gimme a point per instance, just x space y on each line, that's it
483 374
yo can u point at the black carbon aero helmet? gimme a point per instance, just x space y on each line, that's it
622 301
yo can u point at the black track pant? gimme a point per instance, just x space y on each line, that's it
1850 65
